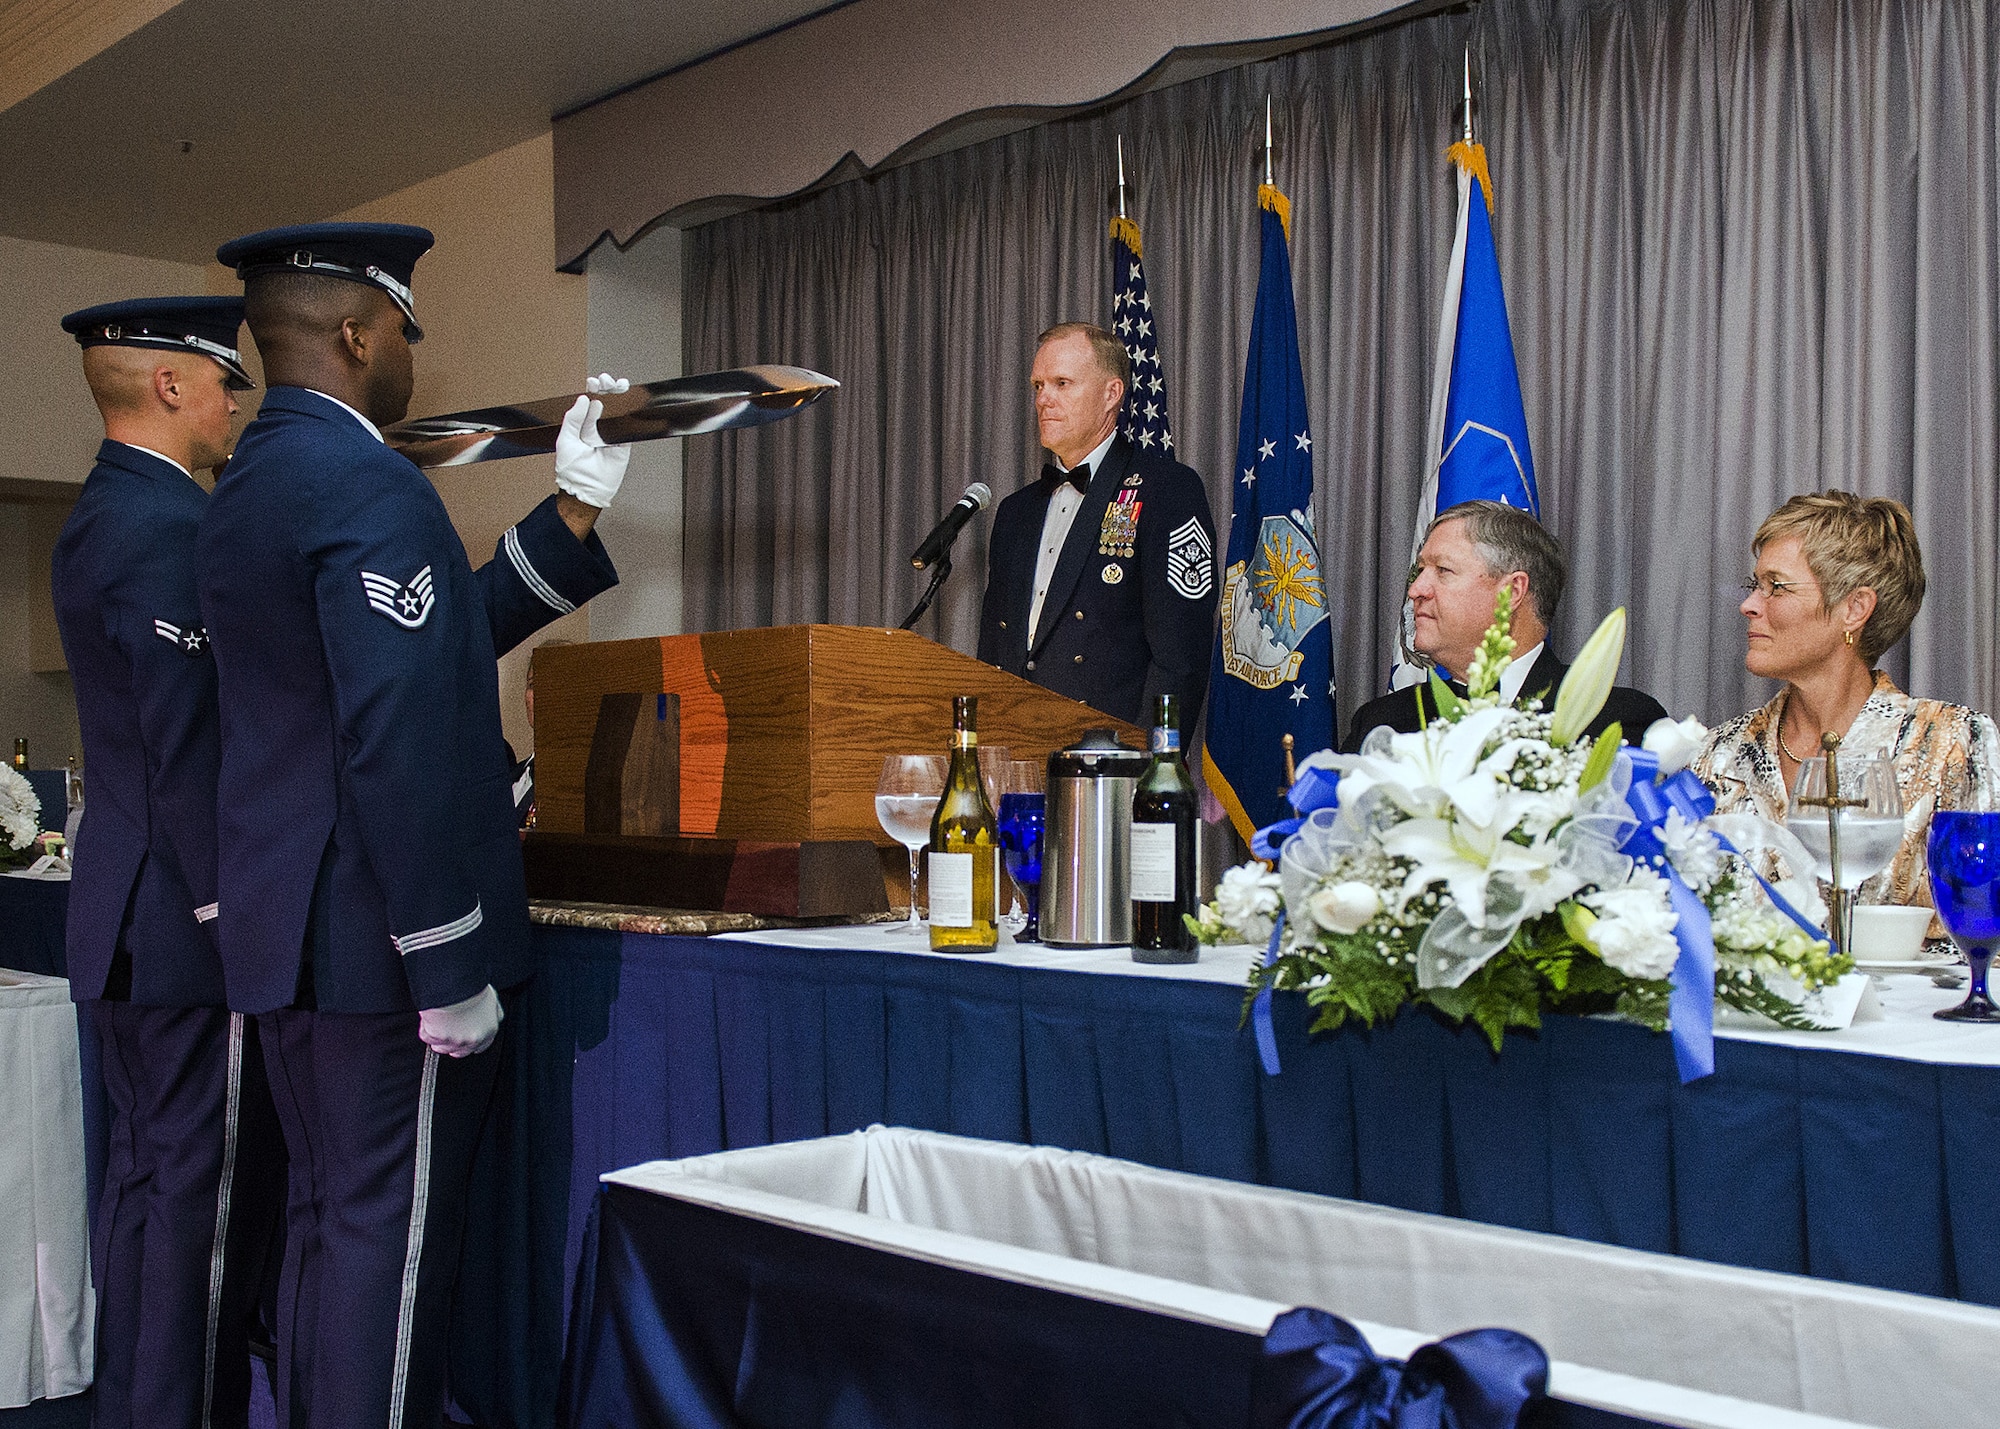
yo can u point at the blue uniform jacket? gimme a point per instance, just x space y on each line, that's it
123 576
366 819
1119 624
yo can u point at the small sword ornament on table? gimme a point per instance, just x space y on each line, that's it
1839 900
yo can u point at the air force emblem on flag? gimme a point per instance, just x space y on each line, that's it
408 605
1271 601
1190 560
192 641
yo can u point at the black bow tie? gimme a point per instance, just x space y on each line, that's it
1077 476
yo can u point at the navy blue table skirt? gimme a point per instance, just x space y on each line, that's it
631 1047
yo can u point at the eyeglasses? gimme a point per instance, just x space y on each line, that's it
1771 587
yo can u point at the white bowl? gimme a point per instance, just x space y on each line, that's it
1889 932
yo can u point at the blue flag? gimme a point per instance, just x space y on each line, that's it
1144 418
1273 667
1479 427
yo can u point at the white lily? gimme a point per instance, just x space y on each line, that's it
1433 770
1468 857
1588 684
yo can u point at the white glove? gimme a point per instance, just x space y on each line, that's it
588 467
465 1029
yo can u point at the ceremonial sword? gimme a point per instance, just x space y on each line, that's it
677 407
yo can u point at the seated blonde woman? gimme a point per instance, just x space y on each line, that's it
1838 580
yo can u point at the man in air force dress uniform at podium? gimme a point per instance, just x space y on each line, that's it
189 1196
369 853
1100 576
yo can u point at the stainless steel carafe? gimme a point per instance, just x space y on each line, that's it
1087 849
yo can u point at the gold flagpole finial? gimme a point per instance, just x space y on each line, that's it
1291 770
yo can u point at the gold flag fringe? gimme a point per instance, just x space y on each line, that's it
1269 197
1125 231
1472 159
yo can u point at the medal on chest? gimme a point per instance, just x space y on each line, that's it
1120 531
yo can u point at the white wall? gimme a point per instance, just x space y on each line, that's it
635 332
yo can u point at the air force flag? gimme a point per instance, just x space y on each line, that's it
1478 445
1273 665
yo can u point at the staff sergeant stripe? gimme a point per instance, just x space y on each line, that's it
531 577
443 933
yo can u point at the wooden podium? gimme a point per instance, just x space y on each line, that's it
782 733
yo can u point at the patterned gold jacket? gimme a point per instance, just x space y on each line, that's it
1946 756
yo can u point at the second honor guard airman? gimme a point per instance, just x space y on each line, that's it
369 853
190 1188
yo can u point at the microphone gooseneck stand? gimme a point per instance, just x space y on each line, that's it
940 572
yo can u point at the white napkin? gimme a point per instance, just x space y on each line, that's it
48 868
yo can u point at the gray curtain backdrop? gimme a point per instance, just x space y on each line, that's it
1750 249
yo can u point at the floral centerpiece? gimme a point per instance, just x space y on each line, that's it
1496 865
20 817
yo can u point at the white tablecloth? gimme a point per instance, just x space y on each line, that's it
1907 1029
47 1308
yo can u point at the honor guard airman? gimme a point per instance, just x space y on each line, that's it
190 1190
1100 577
368 833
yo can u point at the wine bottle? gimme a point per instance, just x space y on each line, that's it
21 755
965 847
1163 829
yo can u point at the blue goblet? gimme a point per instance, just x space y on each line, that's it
1964 855
1021 818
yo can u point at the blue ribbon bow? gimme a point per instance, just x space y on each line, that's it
1691 1008
1317 1371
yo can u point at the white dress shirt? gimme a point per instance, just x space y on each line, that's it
1055 529
1516 675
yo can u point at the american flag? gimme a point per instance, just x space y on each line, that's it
1144 419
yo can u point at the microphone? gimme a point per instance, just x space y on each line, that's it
946 531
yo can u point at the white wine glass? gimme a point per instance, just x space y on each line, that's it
906 796
1870 812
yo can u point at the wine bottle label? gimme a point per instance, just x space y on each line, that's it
1166 739
964 739
951 889
1152 863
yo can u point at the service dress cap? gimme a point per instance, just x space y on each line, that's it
204 325
380 255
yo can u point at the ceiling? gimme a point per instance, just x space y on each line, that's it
220 117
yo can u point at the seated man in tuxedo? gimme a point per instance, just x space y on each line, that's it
1100 576
1468 554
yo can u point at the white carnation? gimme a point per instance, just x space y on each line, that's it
20 809
1344 907
1634 932
1248 900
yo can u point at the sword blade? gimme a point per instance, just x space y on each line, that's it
677 407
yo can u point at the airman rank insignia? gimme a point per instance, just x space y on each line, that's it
408 605
192 641
1120 531
1190 560
1113 573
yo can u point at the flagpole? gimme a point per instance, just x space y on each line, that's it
1267 138
1121 175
